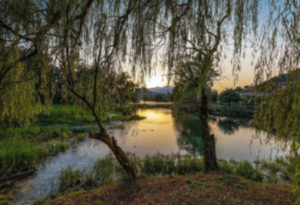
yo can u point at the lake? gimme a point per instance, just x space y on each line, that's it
161 133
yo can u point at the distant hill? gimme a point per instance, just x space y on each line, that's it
152 92
280 81
161 90
148 94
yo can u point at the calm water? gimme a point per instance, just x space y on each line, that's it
159 132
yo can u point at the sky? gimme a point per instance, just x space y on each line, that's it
158 76
226 80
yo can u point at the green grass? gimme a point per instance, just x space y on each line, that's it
225 167
69 179
105 171
147 106
283 169
66 113
17 154
75 114
246 170
189 164
35 133
4 200
108 171
80 137
22 148
158 164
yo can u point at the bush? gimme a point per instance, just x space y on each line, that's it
159 164
61 133
80 137
107 170
225 167
75 180
189 164
246 170
4 200
53 148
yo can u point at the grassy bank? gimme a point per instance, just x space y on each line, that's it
197 188
147 106
23 148
170 179
107 170
74 114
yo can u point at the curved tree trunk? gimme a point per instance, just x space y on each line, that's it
117 151
210 159
108 140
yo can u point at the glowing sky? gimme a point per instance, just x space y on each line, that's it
226 80
158 77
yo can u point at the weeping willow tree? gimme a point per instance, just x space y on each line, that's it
24 26
102 34
16 95
198 32
278 104
278 108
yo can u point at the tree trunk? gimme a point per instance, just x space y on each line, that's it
210 159
117 151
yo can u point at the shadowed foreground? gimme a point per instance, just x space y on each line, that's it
193 189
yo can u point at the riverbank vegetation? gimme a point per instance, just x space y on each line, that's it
108 174
213 188
21 149
74 114
107 170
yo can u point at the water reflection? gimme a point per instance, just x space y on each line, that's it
188 135
228 126
159 132
236 139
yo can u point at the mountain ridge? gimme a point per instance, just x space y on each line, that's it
161 90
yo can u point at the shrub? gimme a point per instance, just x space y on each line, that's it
69 179
53 148
168 165
4 200
60 133
75 179
225 167
246 170
159 164
117 173
189 164
105 171
296 176
80 137
154 165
